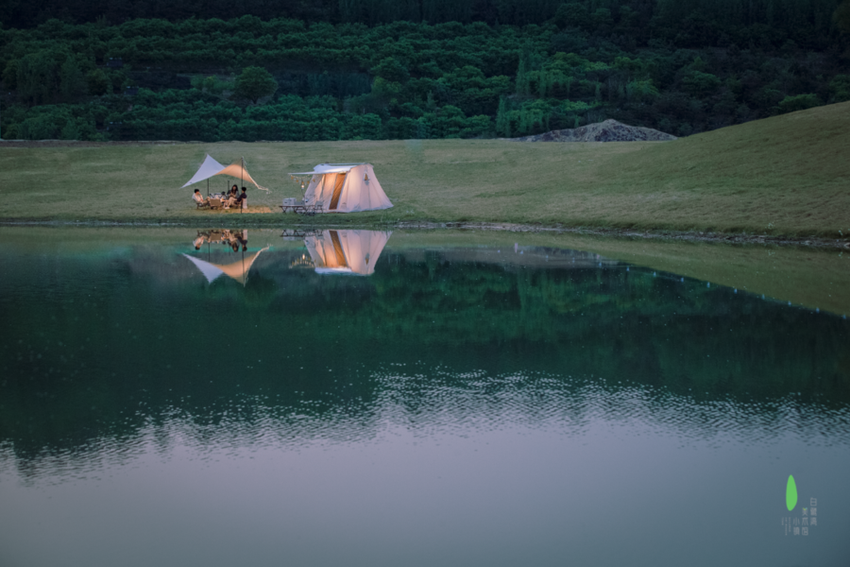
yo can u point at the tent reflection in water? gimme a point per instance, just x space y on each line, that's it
347 252
345 188
237 270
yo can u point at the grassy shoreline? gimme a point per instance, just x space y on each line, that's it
780 180
315 222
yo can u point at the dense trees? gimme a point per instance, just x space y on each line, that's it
841 17
681 67
691 21
255 83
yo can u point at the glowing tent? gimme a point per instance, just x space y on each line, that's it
347 252
345 188
211 168
237 270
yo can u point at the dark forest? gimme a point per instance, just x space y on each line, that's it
377 69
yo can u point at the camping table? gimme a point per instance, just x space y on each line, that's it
302 209
297 234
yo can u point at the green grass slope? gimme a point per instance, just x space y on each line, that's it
787 175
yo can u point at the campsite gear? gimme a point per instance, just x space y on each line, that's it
344 188
300 207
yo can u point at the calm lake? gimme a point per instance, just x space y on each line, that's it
367 398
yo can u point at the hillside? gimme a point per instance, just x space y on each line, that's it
787 175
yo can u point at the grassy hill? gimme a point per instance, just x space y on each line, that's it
787 175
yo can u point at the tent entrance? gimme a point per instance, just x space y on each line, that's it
338 252
340 180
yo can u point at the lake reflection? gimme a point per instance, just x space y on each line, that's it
458 406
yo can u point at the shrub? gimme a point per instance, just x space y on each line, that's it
799 102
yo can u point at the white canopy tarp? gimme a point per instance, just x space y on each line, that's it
211 168
345 188
346 252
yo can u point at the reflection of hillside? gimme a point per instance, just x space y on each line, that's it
107 347
519 257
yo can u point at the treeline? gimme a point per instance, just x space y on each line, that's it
647 63
797 19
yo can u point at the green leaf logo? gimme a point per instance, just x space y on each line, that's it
791 493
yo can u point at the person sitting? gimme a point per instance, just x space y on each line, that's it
243 198
230 201
231 198
200 199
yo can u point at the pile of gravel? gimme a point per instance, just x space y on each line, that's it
607 131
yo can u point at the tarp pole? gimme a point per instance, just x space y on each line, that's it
242 177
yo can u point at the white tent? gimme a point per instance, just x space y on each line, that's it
345 188
211 168
347 252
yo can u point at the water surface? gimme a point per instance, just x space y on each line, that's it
330 399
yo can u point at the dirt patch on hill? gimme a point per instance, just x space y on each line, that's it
607 131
